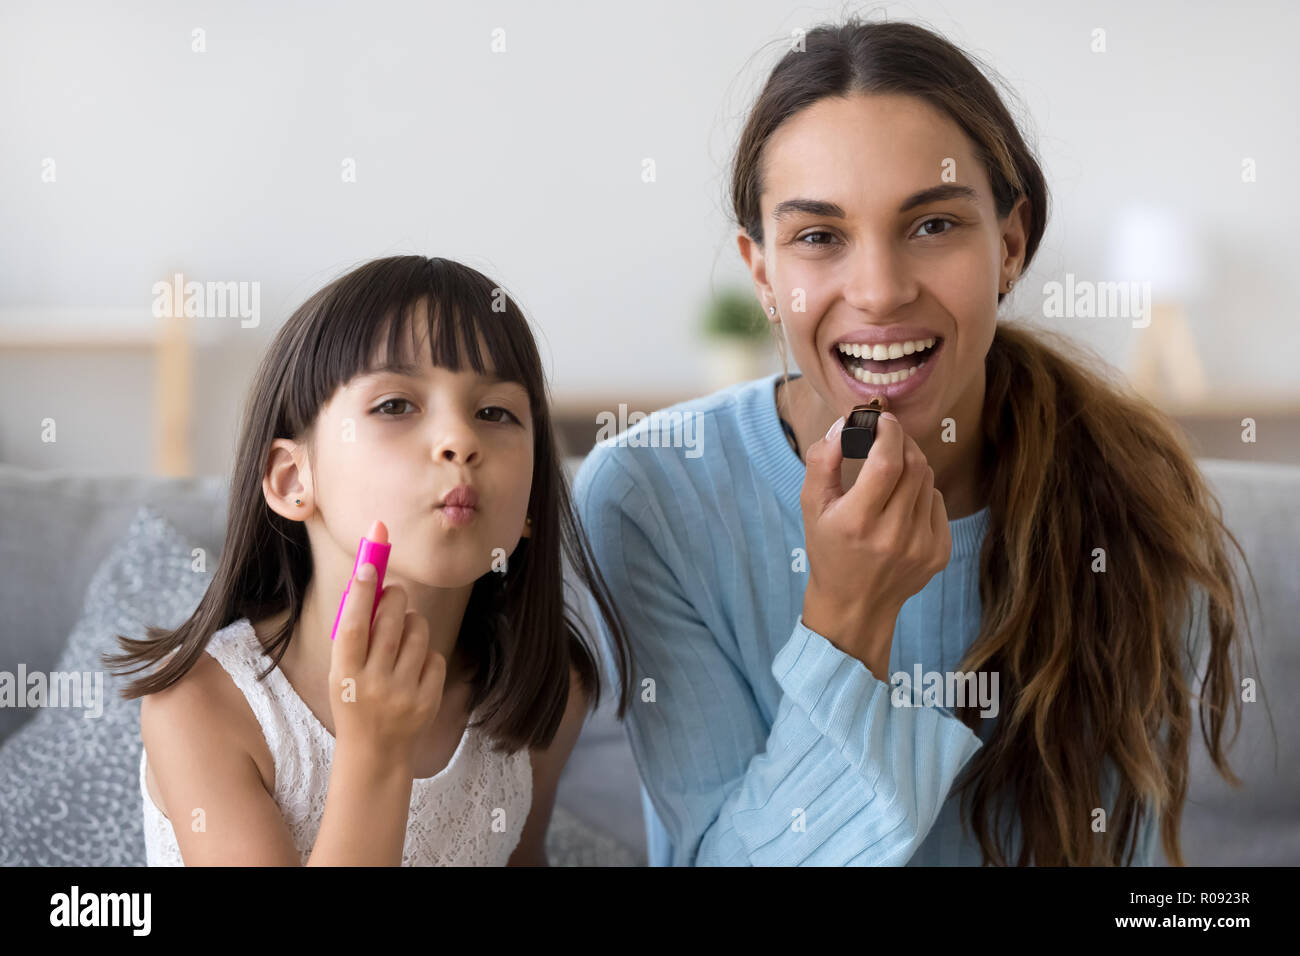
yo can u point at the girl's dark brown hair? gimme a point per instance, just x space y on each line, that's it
517 631
1091 664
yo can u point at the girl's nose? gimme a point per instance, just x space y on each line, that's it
458 444
450 453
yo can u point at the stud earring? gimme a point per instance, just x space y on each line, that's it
771 310
297 501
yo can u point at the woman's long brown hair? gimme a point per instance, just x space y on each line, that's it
518 631
1092 664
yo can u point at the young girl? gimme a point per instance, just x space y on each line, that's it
1021 516
437 734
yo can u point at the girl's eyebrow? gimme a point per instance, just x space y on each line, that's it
820 207
406 370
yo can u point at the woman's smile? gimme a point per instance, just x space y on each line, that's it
895 370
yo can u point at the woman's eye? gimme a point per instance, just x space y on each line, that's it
392 401
498 408
808 235
829 238
946 221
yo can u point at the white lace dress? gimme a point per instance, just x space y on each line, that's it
472 813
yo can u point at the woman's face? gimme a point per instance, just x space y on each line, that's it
879 228
391 445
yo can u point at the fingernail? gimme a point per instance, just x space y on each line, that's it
835 428
889 415
366 572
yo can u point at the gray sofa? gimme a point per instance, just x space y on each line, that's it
56 528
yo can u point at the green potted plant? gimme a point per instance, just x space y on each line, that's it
737 342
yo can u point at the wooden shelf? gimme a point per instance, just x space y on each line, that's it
170 340
77 329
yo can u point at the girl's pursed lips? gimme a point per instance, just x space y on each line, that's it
462 496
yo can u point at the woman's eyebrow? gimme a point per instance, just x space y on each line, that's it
830 210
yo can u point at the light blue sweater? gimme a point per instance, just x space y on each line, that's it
757 740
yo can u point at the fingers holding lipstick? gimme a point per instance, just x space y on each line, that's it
358 610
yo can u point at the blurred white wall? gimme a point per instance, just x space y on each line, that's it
527 164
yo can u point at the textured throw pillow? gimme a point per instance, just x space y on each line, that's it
70 784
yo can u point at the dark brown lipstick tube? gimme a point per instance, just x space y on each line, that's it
859 431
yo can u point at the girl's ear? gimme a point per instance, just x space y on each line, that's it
528 528
286 483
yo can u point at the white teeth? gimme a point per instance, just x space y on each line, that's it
888 378
880 353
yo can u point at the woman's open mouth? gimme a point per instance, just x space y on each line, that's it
893 370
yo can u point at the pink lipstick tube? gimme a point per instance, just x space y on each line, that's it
369 552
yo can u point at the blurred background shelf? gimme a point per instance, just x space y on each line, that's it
99 337
1213 428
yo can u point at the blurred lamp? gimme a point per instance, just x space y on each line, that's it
1156 245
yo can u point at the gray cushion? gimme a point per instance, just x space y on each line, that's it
69 783
56 528
1258 824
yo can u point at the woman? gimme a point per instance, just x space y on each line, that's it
1021 517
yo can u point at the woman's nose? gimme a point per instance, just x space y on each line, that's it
878 281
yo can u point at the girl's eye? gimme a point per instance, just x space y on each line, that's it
388 402
379 409
504 411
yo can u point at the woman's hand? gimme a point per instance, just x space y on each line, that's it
873 546
397 678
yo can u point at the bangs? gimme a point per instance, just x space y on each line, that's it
375 317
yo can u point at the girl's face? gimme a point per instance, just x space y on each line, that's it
390 444
879 226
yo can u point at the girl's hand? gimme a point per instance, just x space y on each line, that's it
396 678
872 547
